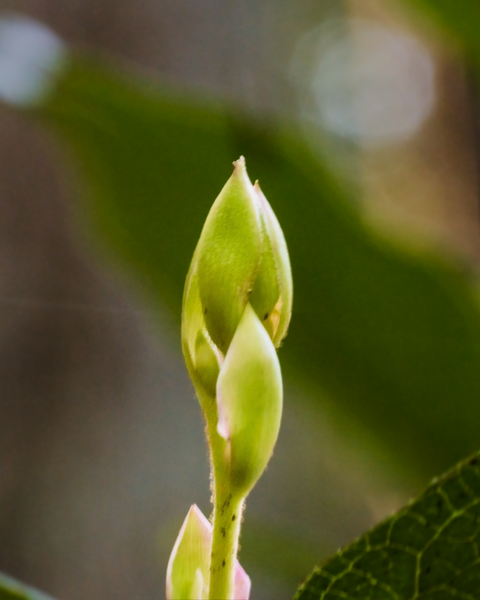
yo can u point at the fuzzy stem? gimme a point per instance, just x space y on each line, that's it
227 512
227 517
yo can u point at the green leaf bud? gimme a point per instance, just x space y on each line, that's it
236 310
188 570
189 564
241 257
229 255
272 293
201 355
249 402
266 290
207 362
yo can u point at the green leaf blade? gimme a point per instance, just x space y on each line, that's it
430 550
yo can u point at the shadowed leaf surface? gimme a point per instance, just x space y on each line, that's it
428 551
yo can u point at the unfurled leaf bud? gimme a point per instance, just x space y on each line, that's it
189 564
249 402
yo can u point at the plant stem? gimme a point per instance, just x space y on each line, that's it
227 517
227 511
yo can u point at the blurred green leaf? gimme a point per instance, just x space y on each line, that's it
271 550
10 589
429 550
460 19
391 335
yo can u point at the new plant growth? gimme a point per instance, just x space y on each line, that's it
388 333
236 310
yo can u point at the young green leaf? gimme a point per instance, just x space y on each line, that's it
430 550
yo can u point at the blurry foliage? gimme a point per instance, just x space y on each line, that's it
392 335
458 20
268 550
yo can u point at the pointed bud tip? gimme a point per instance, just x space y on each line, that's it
240 163
196 513
240 169
265 205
